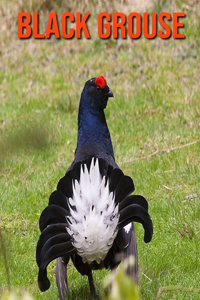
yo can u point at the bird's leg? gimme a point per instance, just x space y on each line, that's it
132 269
61 277
66 284
93 290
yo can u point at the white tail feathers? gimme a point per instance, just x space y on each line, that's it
94 215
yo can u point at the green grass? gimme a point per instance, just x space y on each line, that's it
154 121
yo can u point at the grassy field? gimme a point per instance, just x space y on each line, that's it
154 121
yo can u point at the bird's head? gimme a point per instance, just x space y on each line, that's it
96 92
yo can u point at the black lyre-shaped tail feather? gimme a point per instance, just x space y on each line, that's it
121 185
52 214
134 208
54 242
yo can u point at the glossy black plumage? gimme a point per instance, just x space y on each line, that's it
93 143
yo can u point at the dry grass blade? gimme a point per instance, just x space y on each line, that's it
159 152
176 288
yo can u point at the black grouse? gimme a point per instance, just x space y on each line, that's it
89 217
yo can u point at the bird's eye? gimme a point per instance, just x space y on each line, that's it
98 88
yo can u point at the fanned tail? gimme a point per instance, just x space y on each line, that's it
114 204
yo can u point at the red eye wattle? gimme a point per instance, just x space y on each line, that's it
101 81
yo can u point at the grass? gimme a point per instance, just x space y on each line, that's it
154 121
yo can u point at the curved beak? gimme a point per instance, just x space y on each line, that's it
110 94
